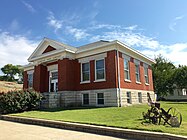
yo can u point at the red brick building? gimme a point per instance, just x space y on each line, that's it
102 73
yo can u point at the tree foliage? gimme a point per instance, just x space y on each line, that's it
180 77
10 71
163 76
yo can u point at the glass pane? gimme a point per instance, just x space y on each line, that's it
86 76
137 78
100 64
54 75
52 87
100 74
100 95
85 99
56 86
100 101
126 64
85 67
137 68
127 75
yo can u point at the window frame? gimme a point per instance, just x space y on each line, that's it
146 74
30 87
83 99
104 79
129 97
127 70
140 97
100 99
86 81
137 74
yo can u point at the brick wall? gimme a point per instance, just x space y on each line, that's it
25 80
48 49
41 78
133 84
110 74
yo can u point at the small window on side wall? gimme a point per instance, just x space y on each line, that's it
139 97
126 69
100 98
129 97
85 99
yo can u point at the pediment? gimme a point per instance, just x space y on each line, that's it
48 47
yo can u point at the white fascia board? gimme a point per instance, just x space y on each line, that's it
28 67
136 52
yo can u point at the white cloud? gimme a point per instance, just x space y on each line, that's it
15 49
29 7
53 22
78 34
173 24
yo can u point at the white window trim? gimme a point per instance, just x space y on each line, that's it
100 80
97 99
140 101
138 82
146 67
50 78
127 70
88 81
88 98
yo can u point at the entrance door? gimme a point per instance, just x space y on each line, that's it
54 86
53 81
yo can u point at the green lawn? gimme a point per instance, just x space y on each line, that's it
124 117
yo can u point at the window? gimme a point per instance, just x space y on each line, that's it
100 98
100 69
183 91
126 69
137 73
85 71
146 75
139 97
54 75
85 99
129 97
30 80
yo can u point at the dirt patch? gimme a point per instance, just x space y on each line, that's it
8 86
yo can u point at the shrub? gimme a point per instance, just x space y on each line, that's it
19 101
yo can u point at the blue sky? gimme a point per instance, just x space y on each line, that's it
151 26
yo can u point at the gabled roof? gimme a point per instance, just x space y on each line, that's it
58 47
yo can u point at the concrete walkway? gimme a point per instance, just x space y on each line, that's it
18 131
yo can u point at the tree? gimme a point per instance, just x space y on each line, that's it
10 71
163 72
180 77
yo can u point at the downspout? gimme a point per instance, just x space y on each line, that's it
119 85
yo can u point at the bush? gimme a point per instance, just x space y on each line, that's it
19 101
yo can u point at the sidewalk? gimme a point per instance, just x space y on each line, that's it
108 131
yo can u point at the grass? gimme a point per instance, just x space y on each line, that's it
124 117
8 86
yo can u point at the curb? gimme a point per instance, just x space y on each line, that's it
102 130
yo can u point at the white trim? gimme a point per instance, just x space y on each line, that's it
97 99
88 81
52 67
94 57
50 72
88 98
136 62
138 83
126 80
124 56
30 72
100 80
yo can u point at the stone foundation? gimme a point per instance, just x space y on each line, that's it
111 98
